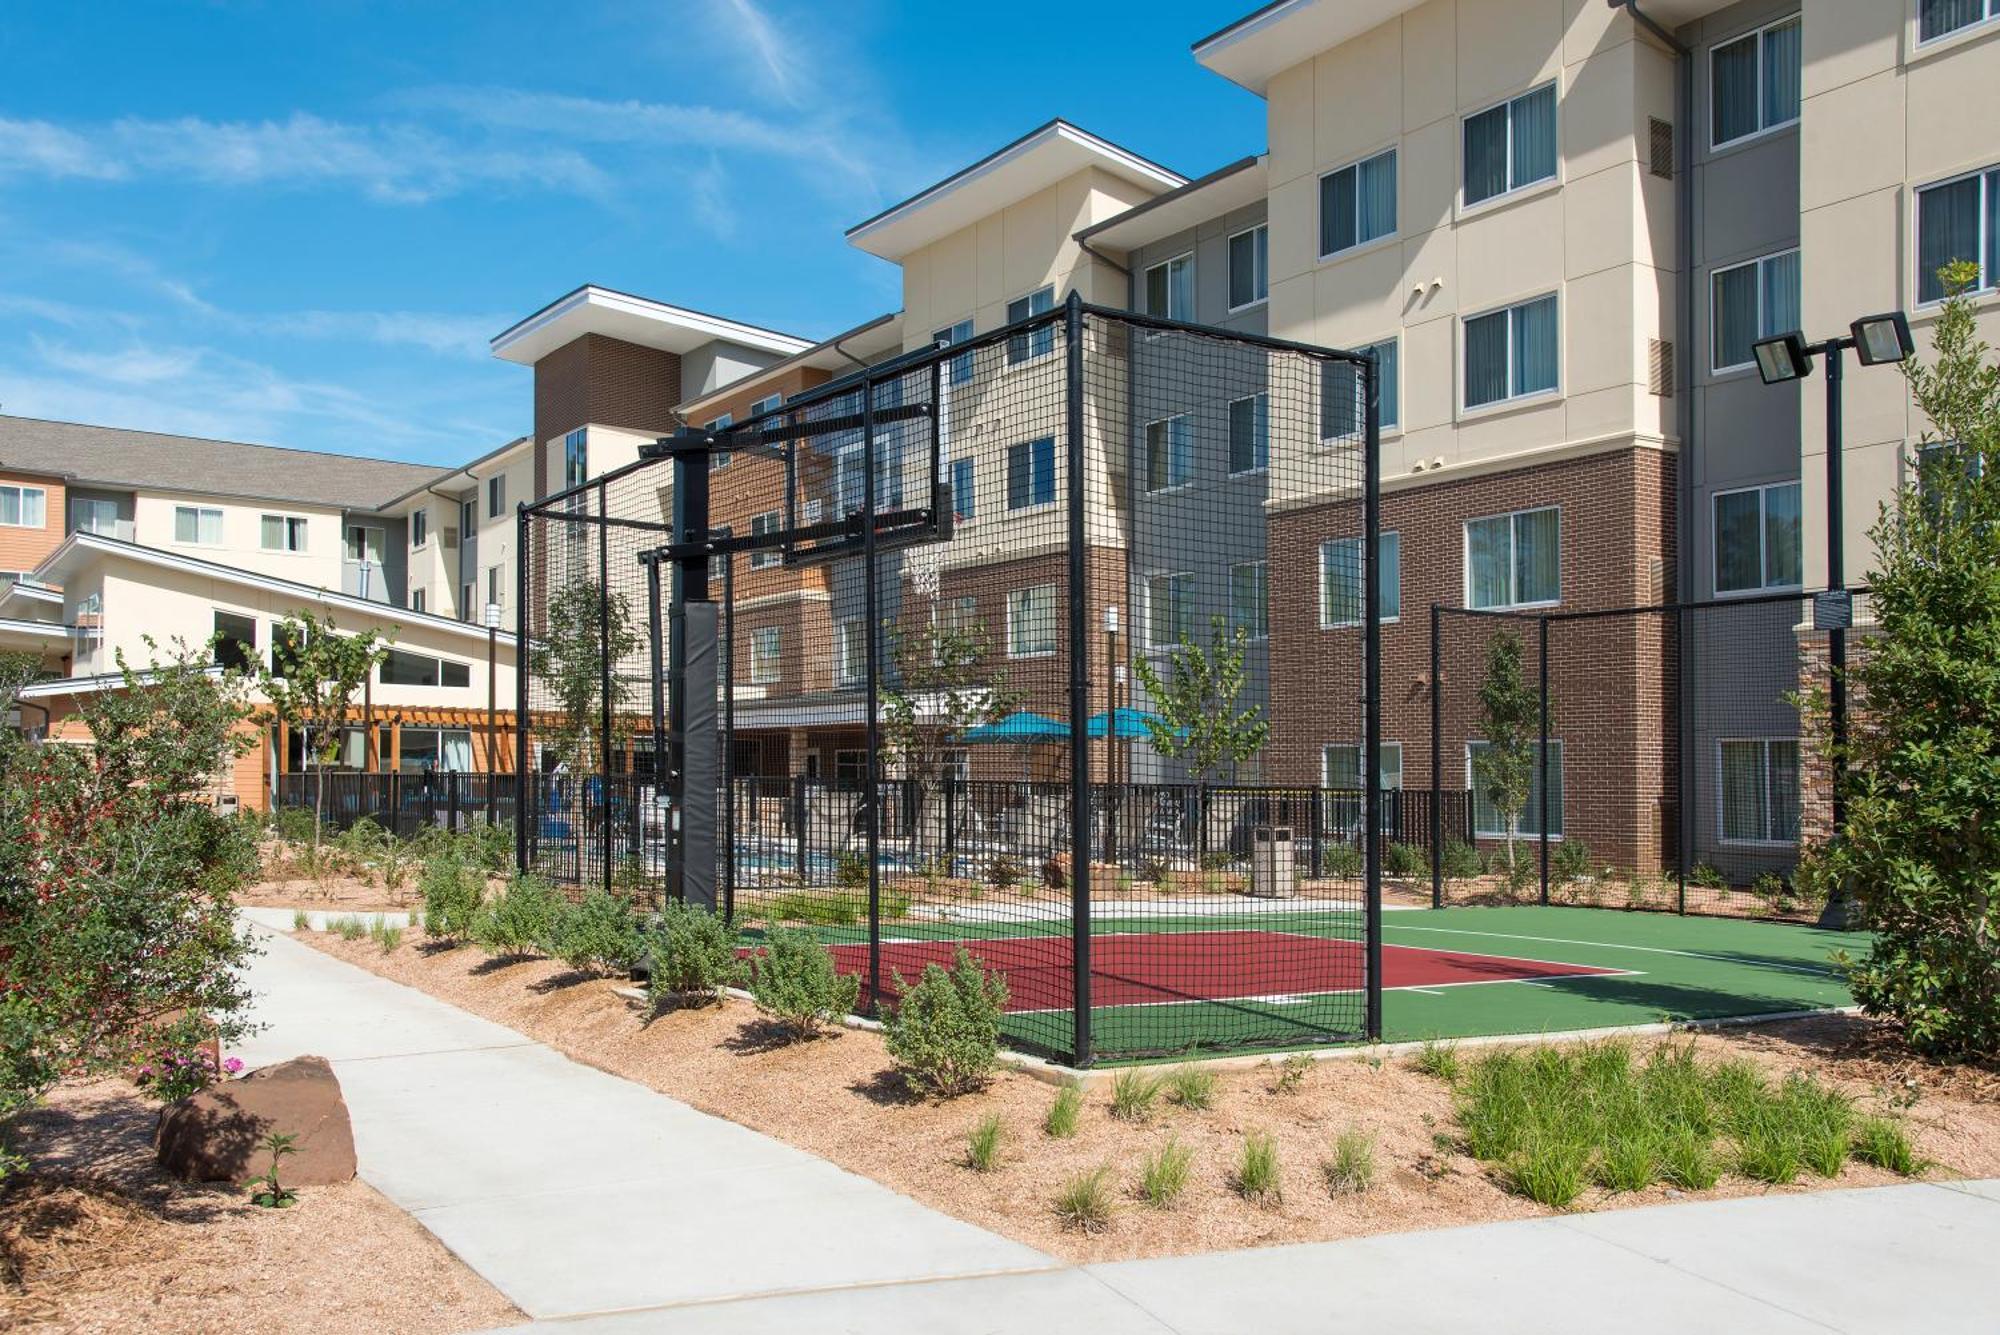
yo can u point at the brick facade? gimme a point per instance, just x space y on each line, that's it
603 380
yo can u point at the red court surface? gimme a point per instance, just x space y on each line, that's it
1161 968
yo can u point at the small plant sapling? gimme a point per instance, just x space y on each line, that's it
265 1189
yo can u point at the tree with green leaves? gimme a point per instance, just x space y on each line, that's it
586 637
1920 854
1503 770
18 670
936 693
1197 716
315 673
117 882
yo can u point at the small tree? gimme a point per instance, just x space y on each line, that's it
586 638
1921 850
936 696
17 670
315 673
1510 720
1197 718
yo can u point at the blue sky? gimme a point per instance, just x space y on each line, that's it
298 222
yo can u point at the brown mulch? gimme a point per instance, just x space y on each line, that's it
838 1097
94 1237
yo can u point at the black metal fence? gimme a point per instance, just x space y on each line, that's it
403 804
1056 643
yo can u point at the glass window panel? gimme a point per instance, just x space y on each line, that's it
186 525
1534 137
1249 434
1536 346
1782 762
1780 90
1340 582
402 668
1485 155
1537 556
1391 575
1388 354
1486 377
1339 400
1745 791
1936 18
1375 197
1039 342
1783 550
1488 552
964 498
1947 230
1486 819
1733 100
1336 211
1734 317
1249 599
1779 276
1738 555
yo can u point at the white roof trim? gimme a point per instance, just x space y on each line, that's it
99 681
641 320
347 602
1254 48
47 630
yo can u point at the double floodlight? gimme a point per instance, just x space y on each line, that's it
1878 340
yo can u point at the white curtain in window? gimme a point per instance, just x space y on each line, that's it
1486 359
1485 155
1938 17
1534 136
1733 90
1780 277
1782 528
1735 316
1947 230
1537 556
1375 197
1784 784
1535 346
457 749
1745 814
1487 552
1781 75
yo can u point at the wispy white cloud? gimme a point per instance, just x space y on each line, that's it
744 22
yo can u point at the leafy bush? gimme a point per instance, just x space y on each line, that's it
183 1066
1164 1173
1002 871
597 935
1775 893
694 956
1060 1122
1292 1073
1407 862
452 892
1256 1175
489 847
1569 861
1707 877
1351 1169
850 871
1191 1087
294 825
944 1034
982 1144
1460 860
1084 1202
1341 861
521 920
1133 1094
794 981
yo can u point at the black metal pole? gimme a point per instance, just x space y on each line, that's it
1437 758
1686 787
1079 681
1542 757
1371 682
492 722
656 626
604 676
870 617
522 658
728 758
1836 578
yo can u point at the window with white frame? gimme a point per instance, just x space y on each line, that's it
1487 821
1759 790
1510 146
1748 302
1942 18
365 544
763 525
434 749
720 458
956 621
1341 409
1038 342
1958 220
957 371
1759 539
964 493
496 495
1514 560
1031 473
1169 289
90 514
1249 267
1250 434
1169 453
420 526
765 650
1250 599
1340 585
1512 353
496 585
468 517
770 403
283 533
28 507
852 660
198 525
1340 765
402 667
1169 610
1754 82
1357 204
1031 621
466 593
419 600
576 458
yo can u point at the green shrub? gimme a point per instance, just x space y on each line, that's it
1163 1174
1256 1176
1002 871
1775 893
1084 1202
1460 860
1438 1060
1292 1073
794 981
693 956
452 893
1407 862
1191 1087
294 825
1351 1168
982 1144
521 920
1549 1169
389 938
1133 1094
598 934
1707 877
1687 1159
1341 861
1631 1158
944 1033
1883 1141
1569 861
833 908
1060 1122
850 871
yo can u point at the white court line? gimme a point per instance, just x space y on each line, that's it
1297 998
1611 945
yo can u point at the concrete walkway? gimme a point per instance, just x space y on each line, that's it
603 1208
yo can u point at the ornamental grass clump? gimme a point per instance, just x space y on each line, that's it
1084 1202
1060 1121
1133 1094
944 1034
982 1144
793 980
1350 1169
1191 1087
1163 1174
1256 1175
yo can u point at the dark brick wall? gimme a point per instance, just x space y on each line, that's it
603 380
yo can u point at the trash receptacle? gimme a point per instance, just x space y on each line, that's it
1272 868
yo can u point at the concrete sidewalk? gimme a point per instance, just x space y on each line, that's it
572 1191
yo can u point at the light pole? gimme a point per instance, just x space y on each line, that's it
1113 797
1877 340
493 613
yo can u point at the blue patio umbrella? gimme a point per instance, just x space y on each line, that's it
1128 725
1020 726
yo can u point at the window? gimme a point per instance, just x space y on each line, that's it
963 500
1340 766
466 606
404 668
89 515
958 371
1754 83
1249 267
1514 560
468 517
1031 621
1250 434
418 600
435 749
284 533
768 404
850 768
1958 220
496 496
1748 302
761 526
1169 453
1511 145
237 646
1170 289
1250 599
1169 610
364 544
851 662
496 586
576 458
1038 342
1759 790
765 649
28 507
1511 353
1486 821
1031 473
197 525
1758 539
1340 580
1357 204
1340 404
420 526
1941 18
1936 462
720 458
958 617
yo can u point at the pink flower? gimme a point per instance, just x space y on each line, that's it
233 1065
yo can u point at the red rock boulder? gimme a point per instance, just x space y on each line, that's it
218 1134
